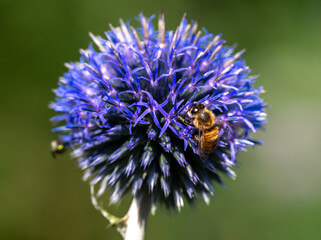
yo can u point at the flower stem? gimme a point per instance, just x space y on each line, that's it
137 218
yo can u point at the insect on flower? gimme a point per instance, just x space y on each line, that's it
57 147
208 128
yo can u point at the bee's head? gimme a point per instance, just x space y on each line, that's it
196 108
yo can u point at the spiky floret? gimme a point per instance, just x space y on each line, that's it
118 110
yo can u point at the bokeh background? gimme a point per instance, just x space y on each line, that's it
277 192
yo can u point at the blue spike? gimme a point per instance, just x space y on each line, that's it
147 156
164 165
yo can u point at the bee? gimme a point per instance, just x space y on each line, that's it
57 147
208 128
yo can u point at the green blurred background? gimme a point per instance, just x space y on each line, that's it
277 192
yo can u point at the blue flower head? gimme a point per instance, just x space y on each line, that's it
124 110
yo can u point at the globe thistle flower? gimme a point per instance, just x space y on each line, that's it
120 109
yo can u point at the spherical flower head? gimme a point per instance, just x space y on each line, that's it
124 109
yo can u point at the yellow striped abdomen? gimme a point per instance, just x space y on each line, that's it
209 139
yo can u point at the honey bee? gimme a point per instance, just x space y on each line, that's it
208 128
56 147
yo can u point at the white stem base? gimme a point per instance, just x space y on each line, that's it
137 218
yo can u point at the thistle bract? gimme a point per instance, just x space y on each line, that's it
118 110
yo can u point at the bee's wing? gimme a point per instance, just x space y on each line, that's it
203 156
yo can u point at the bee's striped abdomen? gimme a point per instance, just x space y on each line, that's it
209 139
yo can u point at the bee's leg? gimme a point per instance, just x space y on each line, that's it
197 137
184 121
